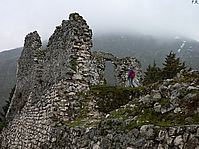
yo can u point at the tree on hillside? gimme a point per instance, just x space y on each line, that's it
194 1
152 74
6 106
172 66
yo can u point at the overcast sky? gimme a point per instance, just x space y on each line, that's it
165 17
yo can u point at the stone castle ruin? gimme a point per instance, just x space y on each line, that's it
49 80
61 100
121 67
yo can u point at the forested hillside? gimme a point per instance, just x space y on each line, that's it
149 48
8 60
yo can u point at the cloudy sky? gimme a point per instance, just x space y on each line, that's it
164 17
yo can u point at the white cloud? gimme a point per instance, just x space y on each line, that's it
167 17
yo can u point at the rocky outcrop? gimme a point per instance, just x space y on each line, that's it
146 137
162 115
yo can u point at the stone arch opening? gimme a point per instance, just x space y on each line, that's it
110 73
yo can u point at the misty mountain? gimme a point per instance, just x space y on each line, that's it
8 63
145 48
149 48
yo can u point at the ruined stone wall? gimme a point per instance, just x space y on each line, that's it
68 52
27 73
48 83
122 65
33 126
51 99
97 71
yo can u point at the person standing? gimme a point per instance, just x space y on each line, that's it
131 76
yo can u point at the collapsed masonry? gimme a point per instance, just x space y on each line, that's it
49 81
121 67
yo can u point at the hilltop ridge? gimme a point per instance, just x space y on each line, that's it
61 99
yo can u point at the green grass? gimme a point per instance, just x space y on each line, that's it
2 125
73 64
116 102
164 101
110 98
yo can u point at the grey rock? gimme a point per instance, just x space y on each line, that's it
147 131
178 141
197 133
135 132
157 107
190 96
177 110
161 135
192 88
172 131
96 146
161 146
157 96
167 108
146 99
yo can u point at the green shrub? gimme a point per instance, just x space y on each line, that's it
109 98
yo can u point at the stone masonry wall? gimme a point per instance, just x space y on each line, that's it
49 81
27 73
64 72
121 68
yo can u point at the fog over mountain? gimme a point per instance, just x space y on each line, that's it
145 48
149 48
150 17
